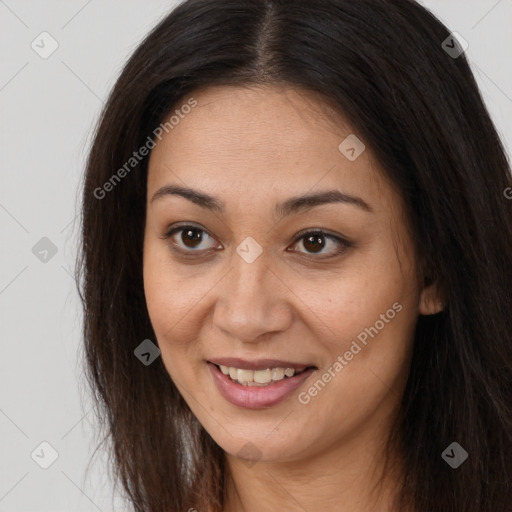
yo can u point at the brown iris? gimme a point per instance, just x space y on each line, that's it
192 237
316 242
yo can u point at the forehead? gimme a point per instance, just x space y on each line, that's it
229 122
262 139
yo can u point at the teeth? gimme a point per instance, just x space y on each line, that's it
245 376
277 373
262 376
257 377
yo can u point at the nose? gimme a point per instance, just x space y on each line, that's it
252 301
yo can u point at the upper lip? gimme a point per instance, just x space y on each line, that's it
257 364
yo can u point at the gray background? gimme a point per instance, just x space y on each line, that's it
48 110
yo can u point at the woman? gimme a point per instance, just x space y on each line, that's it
295 265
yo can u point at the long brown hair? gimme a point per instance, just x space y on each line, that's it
382 64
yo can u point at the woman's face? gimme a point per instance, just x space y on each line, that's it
237 285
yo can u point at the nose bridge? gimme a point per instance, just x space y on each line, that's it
251 304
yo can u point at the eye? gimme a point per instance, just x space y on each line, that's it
315 241
191 239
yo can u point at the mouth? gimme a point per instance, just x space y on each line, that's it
258 384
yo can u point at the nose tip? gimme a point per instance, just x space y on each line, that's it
250 324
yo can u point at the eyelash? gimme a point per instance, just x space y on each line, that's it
344 244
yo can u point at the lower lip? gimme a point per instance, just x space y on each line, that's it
256 397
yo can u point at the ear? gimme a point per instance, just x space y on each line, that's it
432 300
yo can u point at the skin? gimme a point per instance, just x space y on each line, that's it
252 148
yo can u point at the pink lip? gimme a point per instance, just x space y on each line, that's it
260 364
254 397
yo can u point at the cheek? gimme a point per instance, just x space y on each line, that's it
171 291
156 289
175 295
372 351
369 317
362 300
167 298
366 367
368 346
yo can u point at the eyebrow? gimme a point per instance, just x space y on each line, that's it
292 205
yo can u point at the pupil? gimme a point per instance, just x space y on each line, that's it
193 241
314 239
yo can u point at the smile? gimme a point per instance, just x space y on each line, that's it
257 388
